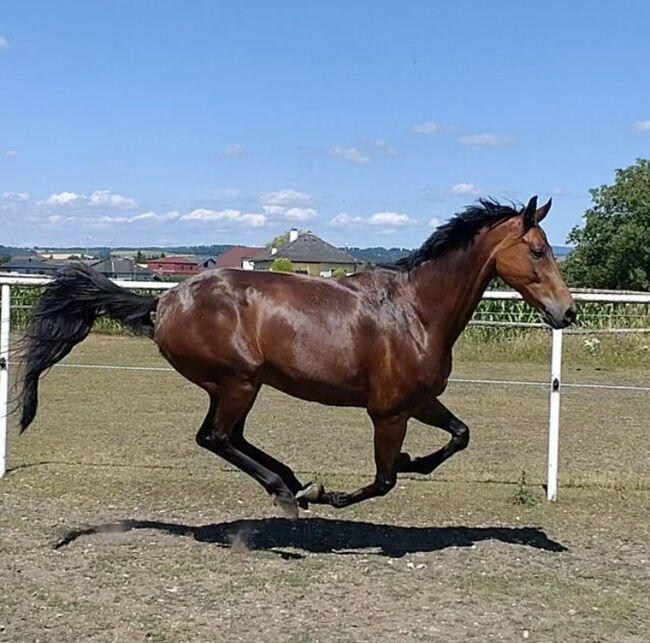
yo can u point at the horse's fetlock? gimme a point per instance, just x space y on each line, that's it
461 434
385 483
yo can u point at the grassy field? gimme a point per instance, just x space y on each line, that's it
115 526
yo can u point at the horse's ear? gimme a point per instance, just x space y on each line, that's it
543 211
529 213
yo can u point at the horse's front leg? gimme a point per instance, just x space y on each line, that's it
440 416
389 436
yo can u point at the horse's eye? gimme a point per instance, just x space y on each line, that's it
538 253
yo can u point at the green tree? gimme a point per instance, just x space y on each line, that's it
339 273
281 240
282 265
613 247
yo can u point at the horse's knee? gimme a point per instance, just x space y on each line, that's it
460 434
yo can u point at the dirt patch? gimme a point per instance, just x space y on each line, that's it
114 526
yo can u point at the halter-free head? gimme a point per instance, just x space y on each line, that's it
525 261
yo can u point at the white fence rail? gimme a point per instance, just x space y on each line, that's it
555 385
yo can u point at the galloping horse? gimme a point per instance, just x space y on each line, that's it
380 339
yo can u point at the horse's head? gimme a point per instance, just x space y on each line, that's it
525 261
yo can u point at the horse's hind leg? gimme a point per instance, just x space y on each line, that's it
439 416
227 408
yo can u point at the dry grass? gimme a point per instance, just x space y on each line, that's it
162 541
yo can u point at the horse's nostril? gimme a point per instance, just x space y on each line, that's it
570 315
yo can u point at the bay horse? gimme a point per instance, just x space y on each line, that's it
380 339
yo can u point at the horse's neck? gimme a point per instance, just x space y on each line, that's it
450 288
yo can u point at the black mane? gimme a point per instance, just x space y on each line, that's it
459 231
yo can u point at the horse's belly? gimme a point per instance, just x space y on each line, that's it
313 386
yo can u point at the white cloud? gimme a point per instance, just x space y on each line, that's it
428 127
642 126
15 197
103 198
111 199
344 219
466 189
484 139
234 151
434 222
63 198
350 154
4 43
254 220
378 219
300 214
154 216
390 218
559 192
274 209
54 219
382 145
286 196
203 214
294 213
109 219
146 216
11 154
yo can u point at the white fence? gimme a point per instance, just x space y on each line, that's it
555 384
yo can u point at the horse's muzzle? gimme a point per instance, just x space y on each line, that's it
562 318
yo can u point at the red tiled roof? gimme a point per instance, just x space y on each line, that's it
165 260
234 257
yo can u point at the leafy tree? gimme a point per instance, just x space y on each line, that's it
613 247
281 240
282 265
339 273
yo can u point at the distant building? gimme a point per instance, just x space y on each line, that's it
238 257
205 263
146 253
310 255
175 266
125 269
30 265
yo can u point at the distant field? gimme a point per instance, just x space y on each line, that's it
159 540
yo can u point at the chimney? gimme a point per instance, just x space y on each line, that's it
274 251
293 235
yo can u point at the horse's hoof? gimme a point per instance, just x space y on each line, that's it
311 492
288 507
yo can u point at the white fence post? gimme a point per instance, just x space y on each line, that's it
554 415
5 309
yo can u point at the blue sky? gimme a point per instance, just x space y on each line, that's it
169 122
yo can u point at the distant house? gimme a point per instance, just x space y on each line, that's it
310 255
30 265
175 266
238 257
124 268
205 263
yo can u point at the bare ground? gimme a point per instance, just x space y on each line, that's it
114 526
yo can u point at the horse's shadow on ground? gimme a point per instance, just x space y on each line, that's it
325 536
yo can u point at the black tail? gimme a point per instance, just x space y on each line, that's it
64 316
